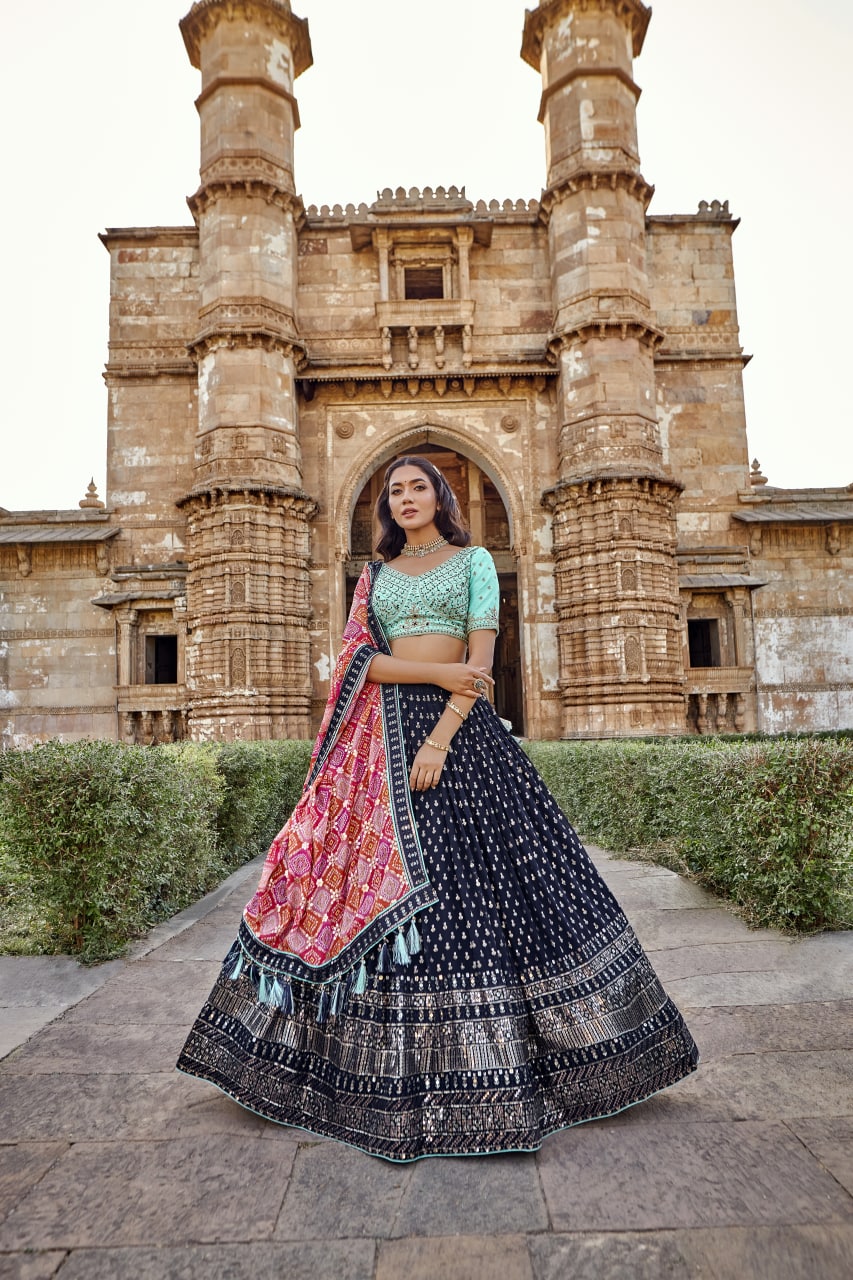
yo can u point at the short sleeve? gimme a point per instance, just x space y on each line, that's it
483 592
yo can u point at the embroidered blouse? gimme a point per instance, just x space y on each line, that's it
457 596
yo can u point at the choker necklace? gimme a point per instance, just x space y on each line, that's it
423 548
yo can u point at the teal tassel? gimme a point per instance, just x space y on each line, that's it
274 995
361 981
285 1001
414 939
238 968
264 989
337 1001
323 1005
401 953
383 964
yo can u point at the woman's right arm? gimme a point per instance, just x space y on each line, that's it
455 677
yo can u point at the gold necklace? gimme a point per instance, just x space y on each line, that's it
423 548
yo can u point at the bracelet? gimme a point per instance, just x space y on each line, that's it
453 707
431 742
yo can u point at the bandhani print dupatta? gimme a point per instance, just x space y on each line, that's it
346 874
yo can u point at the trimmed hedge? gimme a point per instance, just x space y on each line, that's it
100 841
767 824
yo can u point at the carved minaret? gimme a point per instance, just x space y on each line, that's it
248 597
614 503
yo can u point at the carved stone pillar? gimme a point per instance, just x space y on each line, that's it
464 240
620 652
126 621
248 597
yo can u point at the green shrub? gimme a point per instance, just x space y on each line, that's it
263 781
766 823
108 839
99 841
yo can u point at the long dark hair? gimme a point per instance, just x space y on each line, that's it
448 518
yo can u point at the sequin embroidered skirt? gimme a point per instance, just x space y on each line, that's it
530 1007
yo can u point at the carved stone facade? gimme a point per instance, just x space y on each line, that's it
573 363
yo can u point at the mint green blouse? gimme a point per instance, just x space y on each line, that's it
455 597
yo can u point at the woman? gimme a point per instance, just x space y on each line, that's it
431 964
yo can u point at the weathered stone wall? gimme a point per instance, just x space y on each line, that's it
802 622
57 653
152 387
699 367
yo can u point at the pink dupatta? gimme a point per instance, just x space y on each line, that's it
347 870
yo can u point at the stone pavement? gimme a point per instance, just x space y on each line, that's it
112 1165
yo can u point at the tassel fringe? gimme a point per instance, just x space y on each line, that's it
401 951
360 985
277 992
285 1002
413 939
337 1000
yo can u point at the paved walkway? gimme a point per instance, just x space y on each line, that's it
112 1165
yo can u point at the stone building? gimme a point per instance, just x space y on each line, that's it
573 363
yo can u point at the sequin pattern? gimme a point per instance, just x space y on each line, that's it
531 1006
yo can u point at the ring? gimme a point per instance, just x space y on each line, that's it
480 685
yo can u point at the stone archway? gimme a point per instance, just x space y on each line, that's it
488 519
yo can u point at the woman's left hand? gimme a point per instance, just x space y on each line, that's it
426 768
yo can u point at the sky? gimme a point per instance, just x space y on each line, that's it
743 100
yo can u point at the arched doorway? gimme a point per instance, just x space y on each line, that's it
488 520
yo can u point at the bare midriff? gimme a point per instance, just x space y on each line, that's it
431 648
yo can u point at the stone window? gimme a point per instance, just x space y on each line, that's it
703 638
424 282
161 659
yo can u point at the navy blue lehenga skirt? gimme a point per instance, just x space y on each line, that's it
530 1007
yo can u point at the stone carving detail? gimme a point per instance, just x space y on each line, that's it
439 346
238 537
509 423
467 346
238 667
25 565
633 656
345 430
205 16
414 358
718 210
238 588
627 671
91 499
593 180
387 357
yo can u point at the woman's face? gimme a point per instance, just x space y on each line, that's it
411 499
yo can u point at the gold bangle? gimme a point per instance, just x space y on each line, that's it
453 707
431 742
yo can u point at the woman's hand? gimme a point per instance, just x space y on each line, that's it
460 677
426 768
